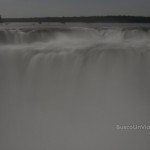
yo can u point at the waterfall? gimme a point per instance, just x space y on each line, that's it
68 87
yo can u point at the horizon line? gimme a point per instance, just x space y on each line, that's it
77 16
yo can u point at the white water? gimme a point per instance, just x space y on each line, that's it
66 88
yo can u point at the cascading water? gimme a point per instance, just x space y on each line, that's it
66 88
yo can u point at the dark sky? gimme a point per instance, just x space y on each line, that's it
35 8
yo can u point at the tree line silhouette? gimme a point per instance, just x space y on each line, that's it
0 19
82 19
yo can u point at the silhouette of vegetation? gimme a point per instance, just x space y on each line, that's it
82 19
1 19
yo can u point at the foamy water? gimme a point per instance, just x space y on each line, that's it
68 86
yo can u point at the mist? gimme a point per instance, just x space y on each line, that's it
68 87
